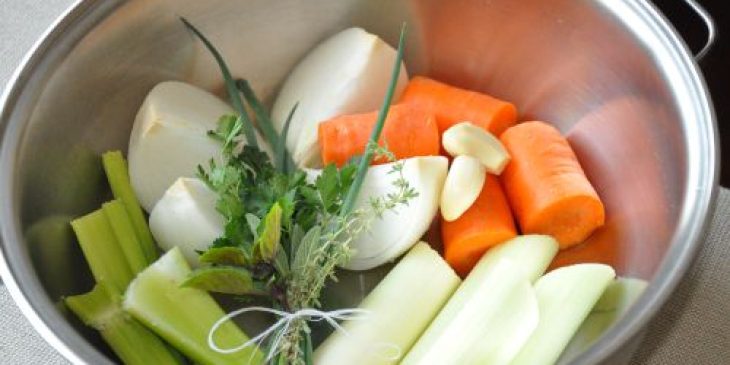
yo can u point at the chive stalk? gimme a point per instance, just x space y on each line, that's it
362 168
243 120
262 116
130 340
118 175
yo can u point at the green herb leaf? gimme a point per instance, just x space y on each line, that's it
305 249
268 243
234 256
224 279
253 224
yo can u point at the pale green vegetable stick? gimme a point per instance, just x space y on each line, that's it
130 340
493 312
565 297
123 229
183 316
102 250
117 173
614 303
399 310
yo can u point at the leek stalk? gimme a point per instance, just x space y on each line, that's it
494 311
399 309
614 303
565 297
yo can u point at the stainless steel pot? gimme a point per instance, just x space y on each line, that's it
611 74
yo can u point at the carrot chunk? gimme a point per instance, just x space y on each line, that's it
408 132
486 223
452 105
546 186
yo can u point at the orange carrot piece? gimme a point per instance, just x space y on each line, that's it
408 132
486 223
452 105
546 186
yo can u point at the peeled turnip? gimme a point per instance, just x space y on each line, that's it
186 217
347 73
397 230
169 138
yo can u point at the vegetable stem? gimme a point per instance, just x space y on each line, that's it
102 250
132 342
362 168
262 116
243 120
183 316
121 225
118 175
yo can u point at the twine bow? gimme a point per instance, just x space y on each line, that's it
282 325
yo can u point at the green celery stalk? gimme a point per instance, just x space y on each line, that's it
53 249
183 316
102 250
130 340
123 229
118 175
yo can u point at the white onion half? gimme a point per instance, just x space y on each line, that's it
397 230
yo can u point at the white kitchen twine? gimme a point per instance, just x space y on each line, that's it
284 322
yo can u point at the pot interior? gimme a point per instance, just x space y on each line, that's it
575 64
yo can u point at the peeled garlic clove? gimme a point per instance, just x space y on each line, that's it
347 73
186 217
467 139
463 184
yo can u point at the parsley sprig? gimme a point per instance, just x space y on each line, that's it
284 234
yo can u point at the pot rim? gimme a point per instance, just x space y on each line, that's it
640 17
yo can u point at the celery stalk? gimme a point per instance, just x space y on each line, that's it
54 250
565 297
393 325
121 225
118 175
132 342
493 312
183 316
102 250
614 303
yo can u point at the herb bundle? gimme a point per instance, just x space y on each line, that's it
284 234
